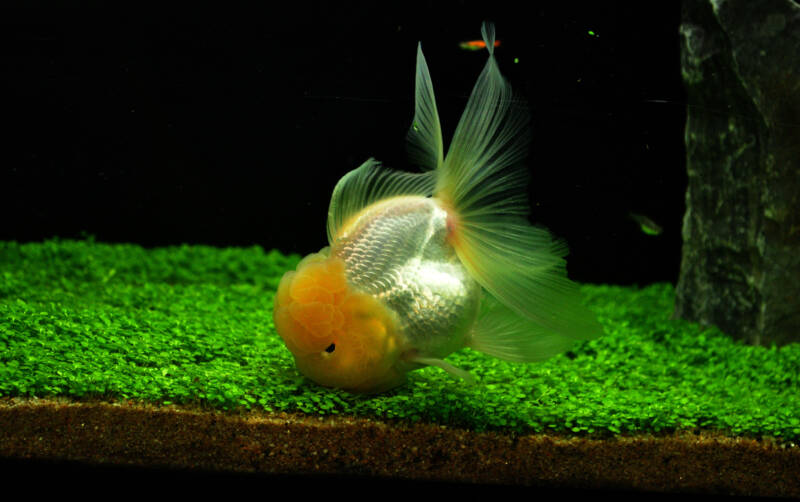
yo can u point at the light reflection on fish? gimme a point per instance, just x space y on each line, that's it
421 265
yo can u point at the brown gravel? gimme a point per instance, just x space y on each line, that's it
133 434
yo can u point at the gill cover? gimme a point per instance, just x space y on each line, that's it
339 337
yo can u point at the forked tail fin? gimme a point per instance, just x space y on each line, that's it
482 185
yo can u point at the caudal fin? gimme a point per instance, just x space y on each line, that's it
482 184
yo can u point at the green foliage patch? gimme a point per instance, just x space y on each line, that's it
193 324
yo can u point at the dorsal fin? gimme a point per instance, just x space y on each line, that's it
370 183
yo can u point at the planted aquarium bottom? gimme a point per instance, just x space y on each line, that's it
128 434
113 354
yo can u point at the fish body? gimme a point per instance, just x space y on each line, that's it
422 265
397 251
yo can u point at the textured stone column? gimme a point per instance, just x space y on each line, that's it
740 267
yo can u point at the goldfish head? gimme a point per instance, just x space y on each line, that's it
339 337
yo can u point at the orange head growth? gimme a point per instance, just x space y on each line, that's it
339 337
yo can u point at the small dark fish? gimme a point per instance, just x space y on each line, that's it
647 225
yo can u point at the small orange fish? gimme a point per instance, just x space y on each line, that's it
423 264
476 45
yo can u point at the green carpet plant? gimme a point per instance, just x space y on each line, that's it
193 325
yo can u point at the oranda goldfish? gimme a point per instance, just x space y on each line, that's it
423 264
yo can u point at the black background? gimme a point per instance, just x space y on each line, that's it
230 127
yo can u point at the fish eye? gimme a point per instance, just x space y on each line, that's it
330 348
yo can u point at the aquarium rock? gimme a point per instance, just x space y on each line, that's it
741 253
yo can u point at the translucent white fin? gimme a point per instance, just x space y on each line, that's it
490 140
502 333
370 183
425 135
523 267
449 368
482 185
